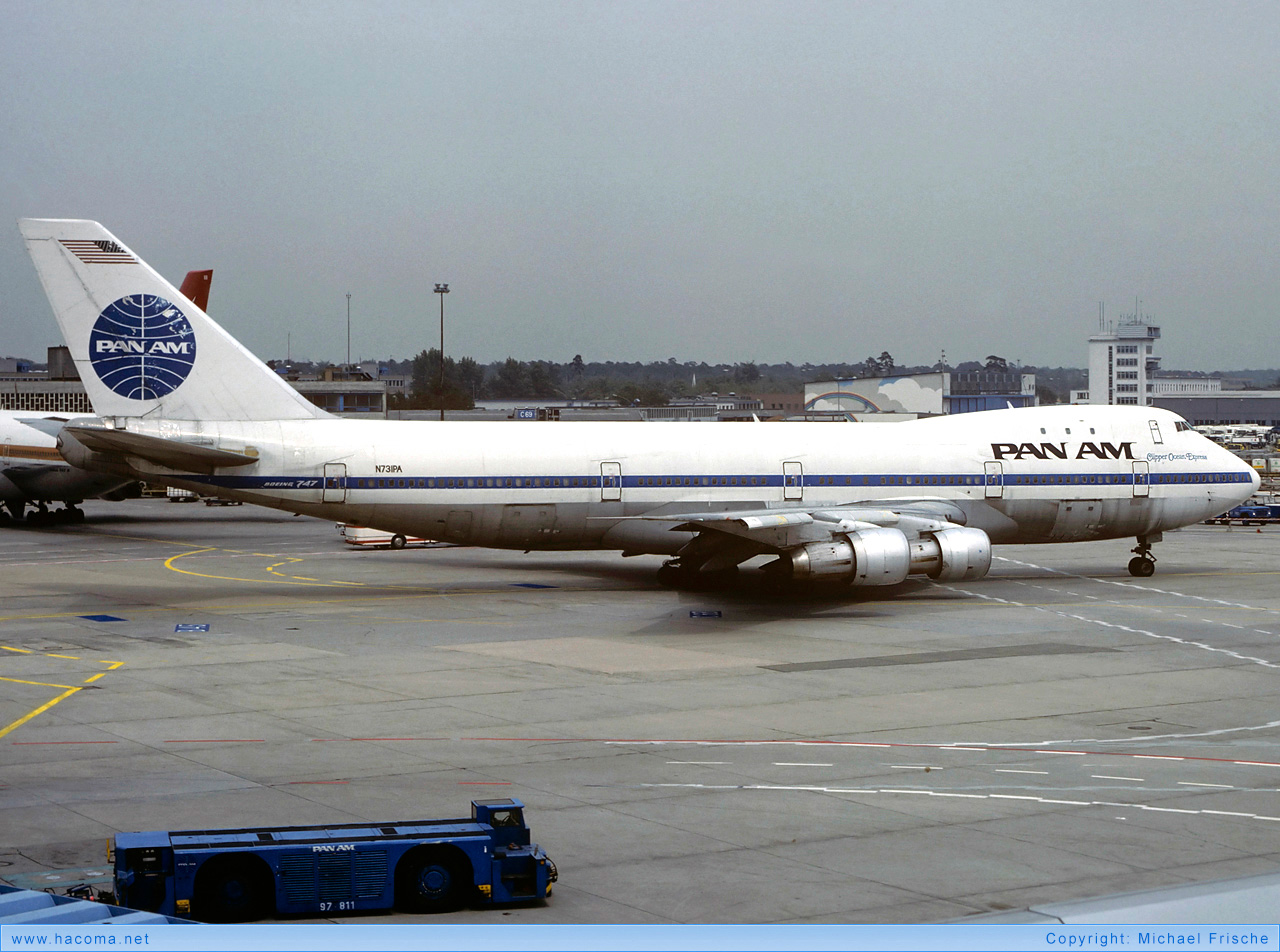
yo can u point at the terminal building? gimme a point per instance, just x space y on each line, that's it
1259 407
352 392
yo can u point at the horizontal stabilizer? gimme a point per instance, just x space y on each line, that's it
175 454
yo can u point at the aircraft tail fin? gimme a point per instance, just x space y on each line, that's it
196 288
142 348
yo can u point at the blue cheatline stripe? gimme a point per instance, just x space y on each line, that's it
717 481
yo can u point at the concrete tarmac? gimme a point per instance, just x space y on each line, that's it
1056 731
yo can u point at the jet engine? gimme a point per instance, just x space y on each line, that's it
885 556
952 555
866 557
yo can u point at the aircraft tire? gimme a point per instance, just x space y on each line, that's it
398 542
1141 568
669 576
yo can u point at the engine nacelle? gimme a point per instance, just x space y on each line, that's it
952 555
865 557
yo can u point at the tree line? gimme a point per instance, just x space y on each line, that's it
657 383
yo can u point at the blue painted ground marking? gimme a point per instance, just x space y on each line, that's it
190 628
706 615
101 618
532 585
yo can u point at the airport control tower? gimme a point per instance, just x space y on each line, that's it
1121 362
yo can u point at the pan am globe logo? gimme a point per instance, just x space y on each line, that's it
142 347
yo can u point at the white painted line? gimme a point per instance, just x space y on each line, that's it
1156 757
1011 770
1229 813
912 767
1099 776
1191 783
1061 753
785 764
1143 806
963 748
706 762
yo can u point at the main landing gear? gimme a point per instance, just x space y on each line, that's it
1143 564
41 515
695 578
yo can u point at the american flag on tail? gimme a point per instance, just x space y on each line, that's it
98 252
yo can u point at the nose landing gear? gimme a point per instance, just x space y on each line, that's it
1143 564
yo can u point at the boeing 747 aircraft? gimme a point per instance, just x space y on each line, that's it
184 402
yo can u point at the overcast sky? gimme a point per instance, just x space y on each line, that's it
721 181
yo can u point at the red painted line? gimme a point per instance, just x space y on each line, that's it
217 740
484 783
598 740
348 740
34 743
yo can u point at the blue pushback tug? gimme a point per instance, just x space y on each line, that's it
416 866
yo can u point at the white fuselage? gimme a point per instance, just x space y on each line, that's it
32 472
1056 474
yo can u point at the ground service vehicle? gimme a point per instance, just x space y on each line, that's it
366 538
1247 516
416 866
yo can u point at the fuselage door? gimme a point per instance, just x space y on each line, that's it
792 480
1142 478
994 479
610 482
335 483
1155 432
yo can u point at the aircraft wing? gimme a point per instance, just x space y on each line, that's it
781 528
175 454
876 542
29 478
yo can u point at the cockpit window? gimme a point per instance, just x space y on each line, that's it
1182 425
